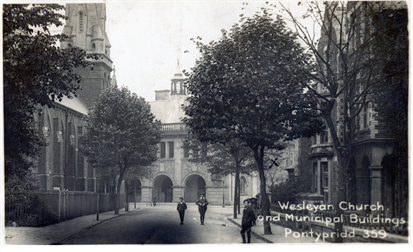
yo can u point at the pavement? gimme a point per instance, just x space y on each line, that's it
56 233
59 232
279 234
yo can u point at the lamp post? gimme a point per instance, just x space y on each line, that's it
134 195
223 192
97 200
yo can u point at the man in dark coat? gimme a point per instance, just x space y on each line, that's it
248 218
202 207
254 207
181 207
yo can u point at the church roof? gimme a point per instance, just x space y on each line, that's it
74 104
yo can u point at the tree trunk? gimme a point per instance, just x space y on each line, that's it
126 195
236 193
265 211
134 196
117 202
341 194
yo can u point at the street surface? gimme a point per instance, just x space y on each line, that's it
161 225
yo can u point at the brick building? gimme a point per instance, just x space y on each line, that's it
61 164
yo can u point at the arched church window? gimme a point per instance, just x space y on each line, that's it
242 185
80 21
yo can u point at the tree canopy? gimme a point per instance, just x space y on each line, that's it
36 72
220 159
243 87
122 135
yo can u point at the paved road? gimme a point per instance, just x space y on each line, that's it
161 225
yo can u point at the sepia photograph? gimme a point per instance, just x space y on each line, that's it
205 122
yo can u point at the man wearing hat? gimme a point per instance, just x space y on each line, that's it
248 218
202 207
254 206
181 207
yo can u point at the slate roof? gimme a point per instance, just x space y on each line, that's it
74 104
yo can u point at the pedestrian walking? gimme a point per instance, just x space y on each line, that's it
259 203
202 207
181 207
254 207
248 219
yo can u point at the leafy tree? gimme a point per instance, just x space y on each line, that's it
240 89
286 191
275 173
122 134
132 177
19 188
233 157
348 67
36 72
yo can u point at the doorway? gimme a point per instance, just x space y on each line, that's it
195 185
162 189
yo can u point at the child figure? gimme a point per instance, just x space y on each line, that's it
248 218
181 207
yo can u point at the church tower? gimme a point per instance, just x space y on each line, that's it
86 28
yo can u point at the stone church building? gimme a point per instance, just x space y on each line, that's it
61 164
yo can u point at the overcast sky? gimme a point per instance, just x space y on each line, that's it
148 37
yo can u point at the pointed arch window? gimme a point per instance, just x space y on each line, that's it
80 21
243 185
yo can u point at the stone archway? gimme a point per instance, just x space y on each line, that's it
195 185
162 188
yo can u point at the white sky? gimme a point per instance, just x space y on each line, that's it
148 37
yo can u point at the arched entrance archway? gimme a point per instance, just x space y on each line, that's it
195 185
162 188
